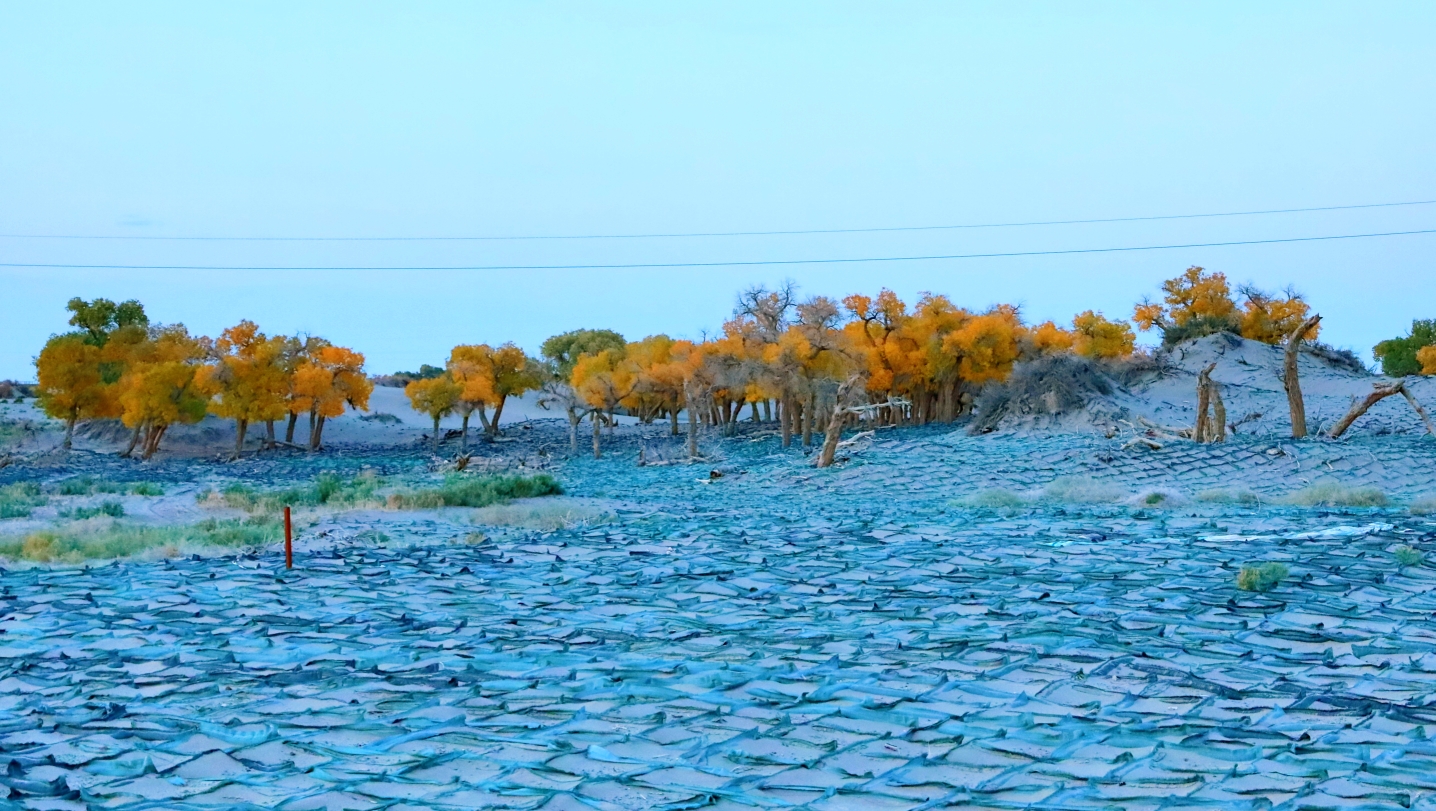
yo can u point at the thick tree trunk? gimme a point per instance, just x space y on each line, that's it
785 420
152 444
269 434
493 426
836 422
240 428
673 422
1292 382
597 453
1379 392
313 421
809 413
69 432
289 431
573 419
1204 404
1217 428
134 440
464 433
757 418
767 411
316 440
437 435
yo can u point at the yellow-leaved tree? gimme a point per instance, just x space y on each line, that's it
247 379
1096 337
162 387
436 396
603 381
70 385
1426 356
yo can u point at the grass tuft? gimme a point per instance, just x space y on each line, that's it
108 539
1262 577
1425 505
1081 490
994 498
112 509
540 516
327 488
19 499
1158 499
1331 493
1408 556
1245 498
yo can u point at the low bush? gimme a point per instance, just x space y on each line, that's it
112 509
1261 577
540 516
1425 505
326 489
1245 498
462 490
1408 555
1335 494
20 499
91 541
995 498
1158 499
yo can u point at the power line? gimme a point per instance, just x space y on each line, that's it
678 235
734 263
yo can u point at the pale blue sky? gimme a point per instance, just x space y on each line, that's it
319 119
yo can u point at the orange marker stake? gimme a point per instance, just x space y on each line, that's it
288 541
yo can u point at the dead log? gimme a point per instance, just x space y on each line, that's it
1217 429
1204 403
1421 412
841 413
1292 382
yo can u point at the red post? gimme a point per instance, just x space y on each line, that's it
288 541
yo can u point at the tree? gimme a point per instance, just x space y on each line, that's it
162 386
99 319
508 373
1291 381
1195 303
1269 318
307 380
659 378
565 349
1096 337
469 371
345 386
70 385
603 381
1400 357
1427 357
987 345
247 378
435 396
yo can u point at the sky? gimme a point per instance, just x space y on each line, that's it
539 119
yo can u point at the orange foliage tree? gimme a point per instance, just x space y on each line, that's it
247 379
70 385
162 386
1096 337
603 381
1426 356
436 396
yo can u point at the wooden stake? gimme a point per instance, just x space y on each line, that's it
288 540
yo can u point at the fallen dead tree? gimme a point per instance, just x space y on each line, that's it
1379 392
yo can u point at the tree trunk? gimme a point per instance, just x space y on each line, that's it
809 412
152 444
836 423
767 411
1292 381
464 433
316 441
573 418
785 420
437 436
69 432
1217 428
289 432
596 452
1204 404
1378 393
269 434
673 422
1420 412
313 420
483 417
493 427
134 440
240 428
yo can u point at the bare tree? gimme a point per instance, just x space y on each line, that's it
1291 380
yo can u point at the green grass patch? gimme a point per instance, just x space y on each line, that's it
95 541
326 489
546 516
112 509
18 500
463 490
1408 555
1244 498
88 486
1261 577
1330 493
993 498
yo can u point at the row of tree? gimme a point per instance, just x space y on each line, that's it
117 365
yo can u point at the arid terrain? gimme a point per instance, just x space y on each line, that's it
1047 615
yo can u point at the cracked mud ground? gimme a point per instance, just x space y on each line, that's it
778 638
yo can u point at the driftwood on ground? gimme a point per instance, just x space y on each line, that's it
1379 392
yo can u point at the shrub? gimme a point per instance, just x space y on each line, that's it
19 499
1425 505
113 509
1262 577
1245 498
327 488
541 516
995 497
147 489
1199 327
1054 384
1408 556
1158 499
460 490
1330 493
